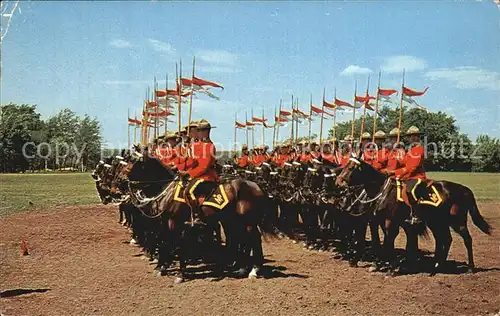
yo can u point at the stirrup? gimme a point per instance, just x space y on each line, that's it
414 220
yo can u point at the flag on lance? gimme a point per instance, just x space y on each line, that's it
315 111
384 95
364 101
239 125
329 105
258 120
340 103
408 95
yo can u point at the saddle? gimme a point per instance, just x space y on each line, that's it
216 198
418 191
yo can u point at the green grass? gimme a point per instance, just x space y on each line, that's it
486 186
45 191
49 190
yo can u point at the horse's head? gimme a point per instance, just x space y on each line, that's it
357 172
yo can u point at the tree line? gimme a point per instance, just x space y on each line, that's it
64 141
447 148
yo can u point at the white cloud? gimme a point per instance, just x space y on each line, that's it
160 46
355 70
467 77
119 43
396 64
218 57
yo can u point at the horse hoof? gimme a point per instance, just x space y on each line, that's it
154 261
178 280
294 241
253 274
372 269
143 257
133 241
241 273
158 273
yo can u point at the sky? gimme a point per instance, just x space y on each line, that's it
98 58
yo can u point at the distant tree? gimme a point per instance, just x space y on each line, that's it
19 124
441 134
486 154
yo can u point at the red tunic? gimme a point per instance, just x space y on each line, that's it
414 164
381 159
396 159
305 157
329 157
243 161
345 159
315 154
203 154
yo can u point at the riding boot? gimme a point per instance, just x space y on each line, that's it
414 219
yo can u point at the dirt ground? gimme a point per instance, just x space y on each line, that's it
81 264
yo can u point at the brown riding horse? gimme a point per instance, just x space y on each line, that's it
243 215
457 202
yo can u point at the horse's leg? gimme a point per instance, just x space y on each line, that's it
258 253
392 231
459 225
464 232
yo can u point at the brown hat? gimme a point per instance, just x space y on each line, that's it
413 130
204 124
379 135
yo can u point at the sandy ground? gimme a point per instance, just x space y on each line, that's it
81 264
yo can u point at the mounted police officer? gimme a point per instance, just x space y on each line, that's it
202 176
413 171
381 151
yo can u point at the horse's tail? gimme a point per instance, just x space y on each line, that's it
477 218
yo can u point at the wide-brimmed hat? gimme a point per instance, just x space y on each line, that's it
413 130
394 132
379 135
366 135
169 135
244 147
348 138
204 124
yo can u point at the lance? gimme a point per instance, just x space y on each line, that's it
376 109
155 132
354 110
263 128
246 129
178 87
334 112
322 115
128 127
167 109
274 128
297 120
279 123
310 118
253 134
364 109
191 98
401 106
293 123
235 128
135 128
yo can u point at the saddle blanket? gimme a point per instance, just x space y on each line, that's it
417 191
218 199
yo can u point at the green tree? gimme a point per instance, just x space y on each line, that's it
485 156
19 125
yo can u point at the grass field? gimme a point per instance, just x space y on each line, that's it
49 190
45 191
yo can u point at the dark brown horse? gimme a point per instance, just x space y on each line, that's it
457 202
242 217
